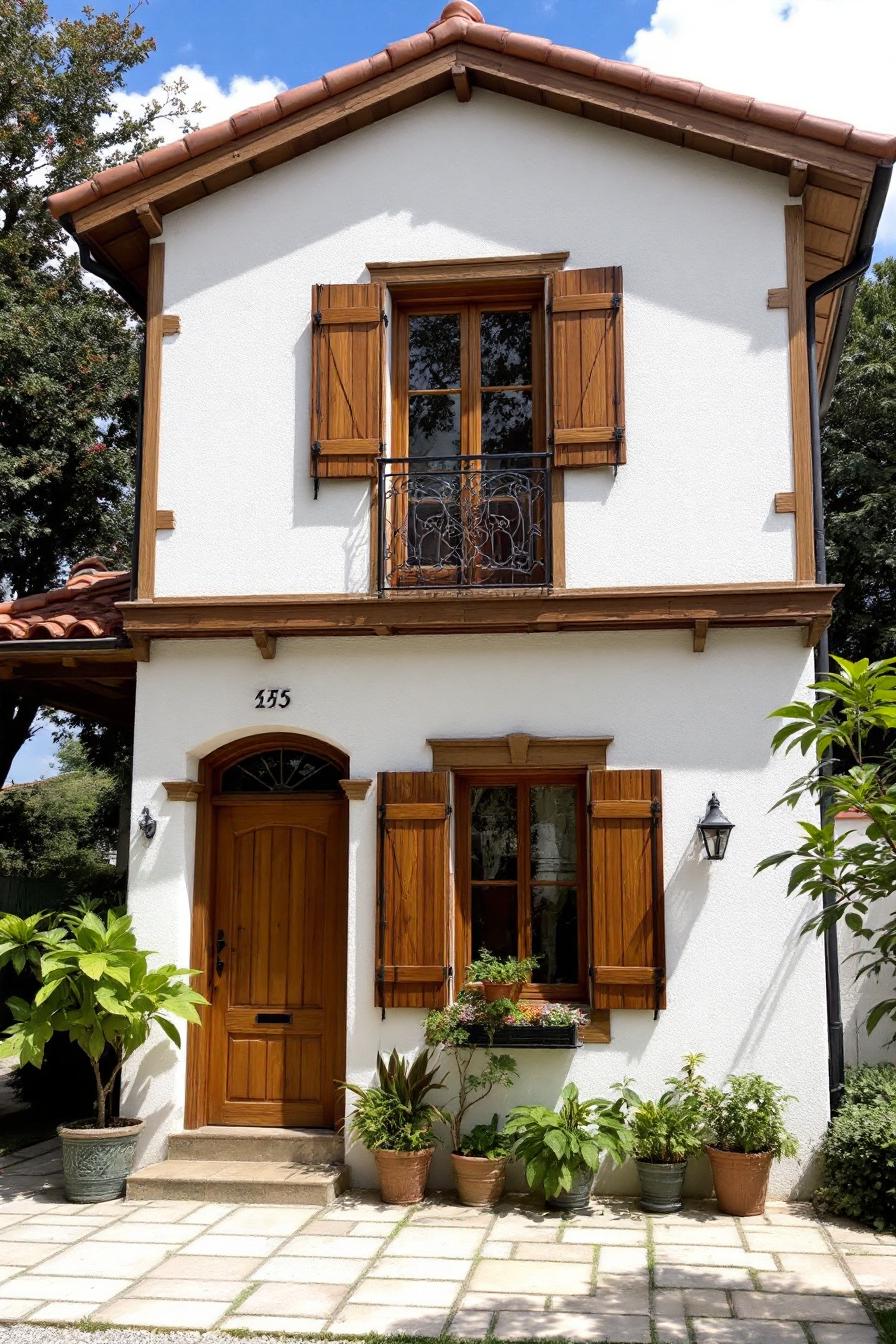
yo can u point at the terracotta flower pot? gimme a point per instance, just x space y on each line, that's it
402 1175
97 1162
480 1180
493 990
741 1181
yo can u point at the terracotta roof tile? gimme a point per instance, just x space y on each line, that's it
84 609
460 20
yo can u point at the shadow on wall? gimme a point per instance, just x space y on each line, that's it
143 1087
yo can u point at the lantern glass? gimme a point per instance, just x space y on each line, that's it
715 830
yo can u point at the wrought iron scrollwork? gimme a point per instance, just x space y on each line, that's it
465 522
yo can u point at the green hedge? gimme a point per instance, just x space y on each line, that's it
859 1150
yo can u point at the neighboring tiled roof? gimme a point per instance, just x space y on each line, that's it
462 21
83 609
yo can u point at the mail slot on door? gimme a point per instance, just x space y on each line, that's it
273 1017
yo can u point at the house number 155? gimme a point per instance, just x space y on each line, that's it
274 697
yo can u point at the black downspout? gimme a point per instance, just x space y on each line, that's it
96 266
847 275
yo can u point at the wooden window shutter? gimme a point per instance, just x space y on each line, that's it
586 347
628 964
347 324
412 968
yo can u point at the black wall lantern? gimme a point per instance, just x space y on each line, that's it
147 823
715 830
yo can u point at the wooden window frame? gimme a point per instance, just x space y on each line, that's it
466 780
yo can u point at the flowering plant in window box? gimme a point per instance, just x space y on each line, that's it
472 1020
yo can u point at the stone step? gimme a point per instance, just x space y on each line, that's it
239 1182
254 1143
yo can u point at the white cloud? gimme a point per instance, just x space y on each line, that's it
832 57
217 101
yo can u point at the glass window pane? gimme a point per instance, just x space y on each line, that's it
494 838
434 350
506 345
555 935
434 426
494 920
506 422
281 771
552 832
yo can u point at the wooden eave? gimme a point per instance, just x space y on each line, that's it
98 684
837 180
485 612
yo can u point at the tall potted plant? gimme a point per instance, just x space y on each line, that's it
394 1119
664 1134
500 977
562 1149
745 1121
96 986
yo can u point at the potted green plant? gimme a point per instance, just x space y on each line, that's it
479 1175
394 1119
480 1163
97 987
500 977
562 1149
664 1134
745 1122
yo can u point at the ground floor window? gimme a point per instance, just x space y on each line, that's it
521 888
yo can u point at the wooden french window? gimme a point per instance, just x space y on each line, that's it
586 346
628 964
413 960
347 345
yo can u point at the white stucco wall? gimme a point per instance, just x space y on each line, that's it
700 242
743 987
859 995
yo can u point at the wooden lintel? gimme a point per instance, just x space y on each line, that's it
164 520
701 629
797 177
463 87
140 645
170 324
149 220
779 298
182 790
785 502
669 607
814 631
267 644
519 749
356 790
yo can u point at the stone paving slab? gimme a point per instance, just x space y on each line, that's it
357 1267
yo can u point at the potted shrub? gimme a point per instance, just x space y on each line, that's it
96 986
500 977
562 1149
394 1119
480 1164
664 1134
745 1121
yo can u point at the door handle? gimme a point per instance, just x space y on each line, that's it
220 944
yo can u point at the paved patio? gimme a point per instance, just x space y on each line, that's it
357 1266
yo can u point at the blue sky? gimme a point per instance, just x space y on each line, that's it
815 54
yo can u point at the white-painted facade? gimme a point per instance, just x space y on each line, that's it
700 242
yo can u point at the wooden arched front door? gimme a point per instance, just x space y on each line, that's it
278 933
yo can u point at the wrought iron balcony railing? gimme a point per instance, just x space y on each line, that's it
465 522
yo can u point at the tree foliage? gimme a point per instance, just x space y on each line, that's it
68 347
853 717
859 446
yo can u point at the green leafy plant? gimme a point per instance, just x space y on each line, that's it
852 879
486 1141
859 1150
396 1113
746 1115
672 1128
96 986
556 1145
499 1071
490 969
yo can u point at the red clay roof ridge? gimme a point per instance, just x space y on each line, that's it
84 608
460 20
